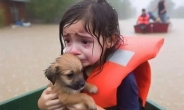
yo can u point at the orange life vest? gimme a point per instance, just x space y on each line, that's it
132 56
143 20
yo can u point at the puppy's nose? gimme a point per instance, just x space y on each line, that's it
81 83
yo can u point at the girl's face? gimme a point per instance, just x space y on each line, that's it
82 44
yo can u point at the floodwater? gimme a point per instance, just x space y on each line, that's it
26 52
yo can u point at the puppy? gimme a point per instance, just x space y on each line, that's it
67 82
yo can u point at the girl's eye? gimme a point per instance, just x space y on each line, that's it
85 42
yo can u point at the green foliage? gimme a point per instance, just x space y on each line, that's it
1 18
48 10
52 10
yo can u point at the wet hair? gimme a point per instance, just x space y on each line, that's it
99 19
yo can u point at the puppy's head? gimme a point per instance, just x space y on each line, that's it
66 72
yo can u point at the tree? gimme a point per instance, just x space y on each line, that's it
1 18
52 10
48 10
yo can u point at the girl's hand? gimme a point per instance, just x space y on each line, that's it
80 107
49 101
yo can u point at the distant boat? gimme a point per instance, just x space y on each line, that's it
153 28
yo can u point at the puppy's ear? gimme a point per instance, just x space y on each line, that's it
51 72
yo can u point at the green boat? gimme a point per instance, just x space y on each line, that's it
28 101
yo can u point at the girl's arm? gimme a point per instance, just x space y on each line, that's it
127 94
49 101
155 8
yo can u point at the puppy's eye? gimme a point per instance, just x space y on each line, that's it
70 75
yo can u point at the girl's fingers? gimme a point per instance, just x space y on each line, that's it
79 106
51 97
60 109
53 102
48 90
56 107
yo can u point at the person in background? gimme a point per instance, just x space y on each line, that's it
143 20
162 13
151 16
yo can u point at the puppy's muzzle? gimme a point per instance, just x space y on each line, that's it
78 85
81 84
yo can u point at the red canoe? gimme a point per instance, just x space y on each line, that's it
153 28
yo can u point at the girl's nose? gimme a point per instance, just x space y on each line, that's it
75 51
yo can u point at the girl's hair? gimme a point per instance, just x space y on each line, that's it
99 19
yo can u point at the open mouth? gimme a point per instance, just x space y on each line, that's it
76 87
74 91
81 88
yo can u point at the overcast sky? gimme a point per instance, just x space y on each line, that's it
143 3
139 4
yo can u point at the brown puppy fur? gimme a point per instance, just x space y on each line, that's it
67 81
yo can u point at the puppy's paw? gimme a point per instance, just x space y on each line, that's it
90 103
93 89
92 108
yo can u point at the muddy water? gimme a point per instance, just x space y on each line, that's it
26 52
